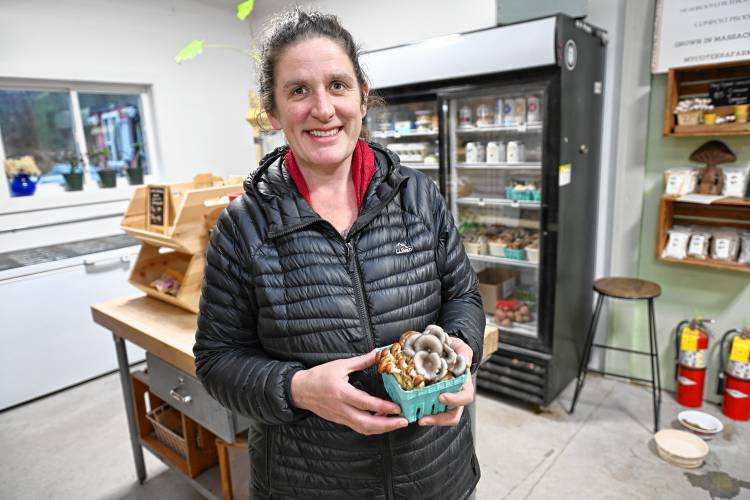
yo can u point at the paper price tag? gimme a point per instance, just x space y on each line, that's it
689 339
566 174
740 350
674 183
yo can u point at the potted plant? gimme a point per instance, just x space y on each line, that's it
20 172
74 178
135 167
107 177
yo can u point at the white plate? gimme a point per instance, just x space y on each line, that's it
700 422
681 448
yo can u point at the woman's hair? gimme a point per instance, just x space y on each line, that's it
295 26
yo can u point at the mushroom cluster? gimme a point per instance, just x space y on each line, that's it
420 359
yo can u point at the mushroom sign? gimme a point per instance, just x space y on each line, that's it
712 153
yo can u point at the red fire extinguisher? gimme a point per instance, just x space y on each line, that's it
690 360
734 376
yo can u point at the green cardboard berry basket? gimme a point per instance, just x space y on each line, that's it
418 403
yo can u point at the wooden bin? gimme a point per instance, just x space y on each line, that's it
186 225
197 448
693 81
154 260
730 212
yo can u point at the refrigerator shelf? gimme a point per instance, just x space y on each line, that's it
527 127
500 166
528 329
397 135
498 202
502 260
422 166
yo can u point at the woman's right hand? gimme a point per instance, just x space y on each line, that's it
325 390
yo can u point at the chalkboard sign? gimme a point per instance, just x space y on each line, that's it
158 202
730 92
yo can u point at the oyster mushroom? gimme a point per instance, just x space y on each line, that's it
459 367
429 343
408 347
406 335
428 364
437 332
449 354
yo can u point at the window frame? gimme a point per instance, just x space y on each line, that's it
91 193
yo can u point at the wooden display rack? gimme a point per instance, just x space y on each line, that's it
153 261
694 81
184 215
727 212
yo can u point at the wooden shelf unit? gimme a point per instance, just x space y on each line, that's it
694 81
188 228
727 212
200 452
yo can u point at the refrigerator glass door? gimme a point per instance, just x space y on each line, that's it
495 154
409 129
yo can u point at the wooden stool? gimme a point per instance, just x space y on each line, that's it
224 469
630 289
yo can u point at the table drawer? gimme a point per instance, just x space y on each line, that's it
186 394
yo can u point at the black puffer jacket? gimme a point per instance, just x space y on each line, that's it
283 291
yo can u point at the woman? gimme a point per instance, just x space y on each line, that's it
335 249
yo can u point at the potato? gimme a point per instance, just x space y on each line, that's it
506 322
500 315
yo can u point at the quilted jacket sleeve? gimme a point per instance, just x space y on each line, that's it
229 358
461 314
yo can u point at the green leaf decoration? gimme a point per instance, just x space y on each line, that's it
244 9
190 52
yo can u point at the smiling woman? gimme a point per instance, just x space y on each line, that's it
306 276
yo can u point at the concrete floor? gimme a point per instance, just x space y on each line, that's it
74 445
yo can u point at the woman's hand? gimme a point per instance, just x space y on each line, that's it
458 399
325 390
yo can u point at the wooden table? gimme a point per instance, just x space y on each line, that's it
167 332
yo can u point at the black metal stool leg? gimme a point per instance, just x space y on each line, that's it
586 352
655 363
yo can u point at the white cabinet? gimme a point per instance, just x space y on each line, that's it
48 338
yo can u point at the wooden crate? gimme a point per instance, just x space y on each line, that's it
189 216
727 212
694 81
199 449
154 260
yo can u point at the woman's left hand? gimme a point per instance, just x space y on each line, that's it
457 399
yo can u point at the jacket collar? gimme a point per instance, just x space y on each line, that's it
287 210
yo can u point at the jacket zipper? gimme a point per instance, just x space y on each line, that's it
364 318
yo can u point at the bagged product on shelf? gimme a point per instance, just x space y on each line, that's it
735 181
700 242
680 181
726 244
744 257
677 243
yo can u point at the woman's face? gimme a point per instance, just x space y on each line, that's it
319 103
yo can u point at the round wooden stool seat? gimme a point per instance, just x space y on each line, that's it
627 288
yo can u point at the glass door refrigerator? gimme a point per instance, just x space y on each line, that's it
517 113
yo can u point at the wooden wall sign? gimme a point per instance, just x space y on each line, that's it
158 208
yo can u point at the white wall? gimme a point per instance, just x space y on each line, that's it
387 23
199 107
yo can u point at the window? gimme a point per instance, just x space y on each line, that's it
50 131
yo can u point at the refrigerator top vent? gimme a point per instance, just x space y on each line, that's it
507 48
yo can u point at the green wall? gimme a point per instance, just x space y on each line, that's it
687 290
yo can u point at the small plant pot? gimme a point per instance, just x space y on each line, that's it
135 176
73 181
22 185
107 178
